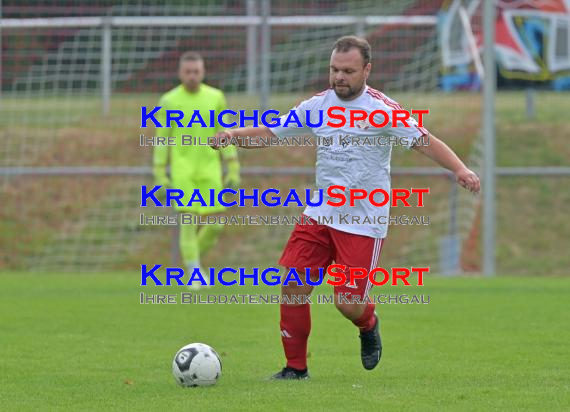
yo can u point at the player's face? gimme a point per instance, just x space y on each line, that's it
348 74
191 74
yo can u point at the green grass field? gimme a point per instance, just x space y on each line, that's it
83 342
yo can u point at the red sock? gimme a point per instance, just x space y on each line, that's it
366 321
295 329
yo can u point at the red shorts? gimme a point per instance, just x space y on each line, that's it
317 246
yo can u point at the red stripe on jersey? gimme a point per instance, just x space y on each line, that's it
393 102
374 93
422 130
378 97
383 99
381 96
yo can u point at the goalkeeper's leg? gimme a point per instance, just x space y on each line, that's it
208 236
189 249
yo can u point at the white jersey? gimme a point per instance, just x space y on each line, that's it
351 165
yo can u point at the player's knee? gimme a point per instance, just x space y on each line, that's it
292 289
348 309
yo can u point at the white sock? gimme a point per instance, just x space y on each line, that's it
192 265
195 265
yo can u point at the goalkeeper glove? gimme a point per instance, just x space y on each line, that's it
160 177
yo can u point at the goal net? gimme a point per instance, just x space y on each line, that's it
73 84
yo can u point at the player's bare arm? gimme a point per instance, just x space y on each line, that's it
439 152
242 137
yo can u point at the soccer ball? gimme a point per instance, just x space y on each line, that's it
196 364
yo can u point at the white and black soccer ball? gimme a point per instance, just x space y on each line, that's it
196 364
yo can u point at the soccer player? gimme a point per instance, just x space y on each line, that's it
194 167
367 167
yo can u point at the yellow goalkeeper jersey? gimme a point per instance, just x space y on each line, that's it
196 166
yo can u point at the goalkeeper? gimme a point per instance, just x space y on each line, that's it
194 167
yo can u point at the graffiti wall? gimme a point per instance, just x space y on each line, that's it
532 43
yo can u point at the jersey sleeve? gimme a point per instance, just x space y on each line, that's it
161 152
410 134
222 105
161 117
228 152
293 128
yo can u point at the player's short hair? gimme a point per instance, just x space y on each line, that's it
346 43
190 56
